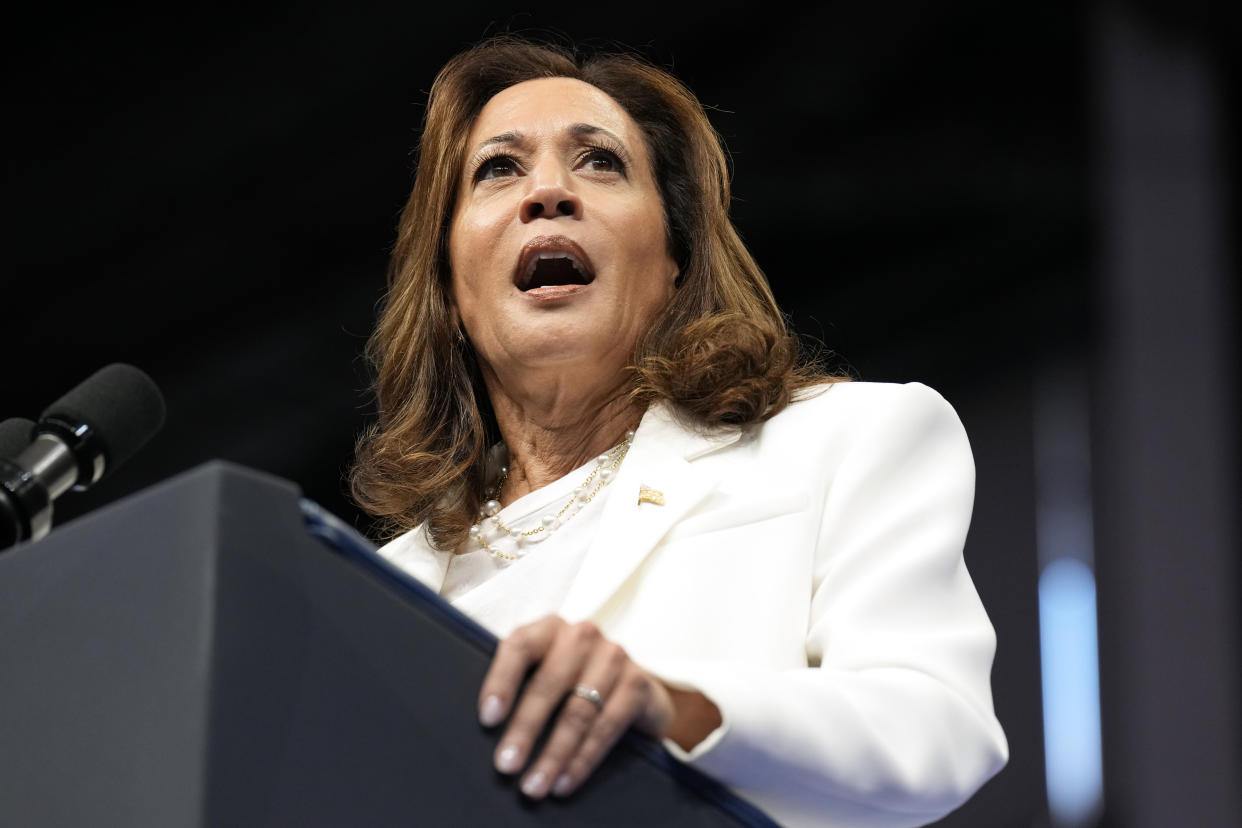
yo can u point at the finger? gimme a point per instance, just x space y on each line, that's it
558 671
577 718
632 704
514 656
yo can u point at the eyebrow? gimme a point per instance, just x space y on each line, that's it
579 130
582 130
503 138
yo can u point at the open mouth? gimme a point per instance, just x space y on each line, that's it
550 261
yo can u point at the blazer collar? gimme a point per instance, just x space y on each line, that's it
660 460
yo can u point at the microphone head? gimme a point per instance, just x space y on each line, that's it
15 434
106 419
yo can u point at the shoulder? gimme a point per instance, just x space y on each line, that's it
861 408
843 426
864 397
864 428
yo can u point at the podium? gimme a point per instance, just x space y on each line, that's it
215 651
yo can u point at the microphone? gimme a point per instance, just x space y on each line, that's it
15 434
79 439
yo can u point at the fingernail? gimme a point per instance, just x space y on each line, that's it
509 760
535 785
562 785
492 711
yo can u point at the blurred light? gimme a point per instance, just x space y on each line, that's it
1068 646
1071 691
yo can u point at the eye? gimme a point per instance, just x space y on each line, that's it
498 166
598 159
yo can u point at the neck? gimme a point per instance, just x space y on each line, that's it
554 429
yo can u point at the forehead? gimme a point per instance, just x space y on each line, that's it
551 105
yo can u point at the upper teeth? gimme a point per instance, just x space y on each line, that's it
558 255
552 254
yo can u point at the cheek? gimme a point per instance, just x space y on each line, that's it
463 258
473 246
648 227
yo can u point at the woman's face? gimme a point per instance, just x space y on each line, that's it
557 245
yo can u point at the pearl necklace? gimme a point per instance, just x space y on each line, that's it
489 528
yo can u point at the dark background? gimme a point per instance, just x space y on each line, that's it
211 195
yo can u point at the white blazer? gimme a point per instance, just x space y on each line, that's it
805 574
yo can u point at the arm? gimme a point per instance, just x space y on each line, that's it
893 723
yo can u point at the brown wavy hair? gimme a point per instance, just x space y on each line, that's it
721 349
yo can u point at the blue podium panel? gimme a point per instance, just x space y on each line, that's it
194 656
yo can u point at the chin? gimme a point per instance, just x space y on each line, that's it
588 351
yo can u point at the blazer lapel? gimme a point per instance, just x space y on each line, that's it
633 522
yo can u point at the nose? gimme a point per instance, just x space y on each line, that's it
551 195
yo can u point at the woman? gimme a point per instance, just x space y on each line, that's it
596 438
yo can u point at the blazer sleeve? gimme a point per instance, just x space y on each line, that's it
891 724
